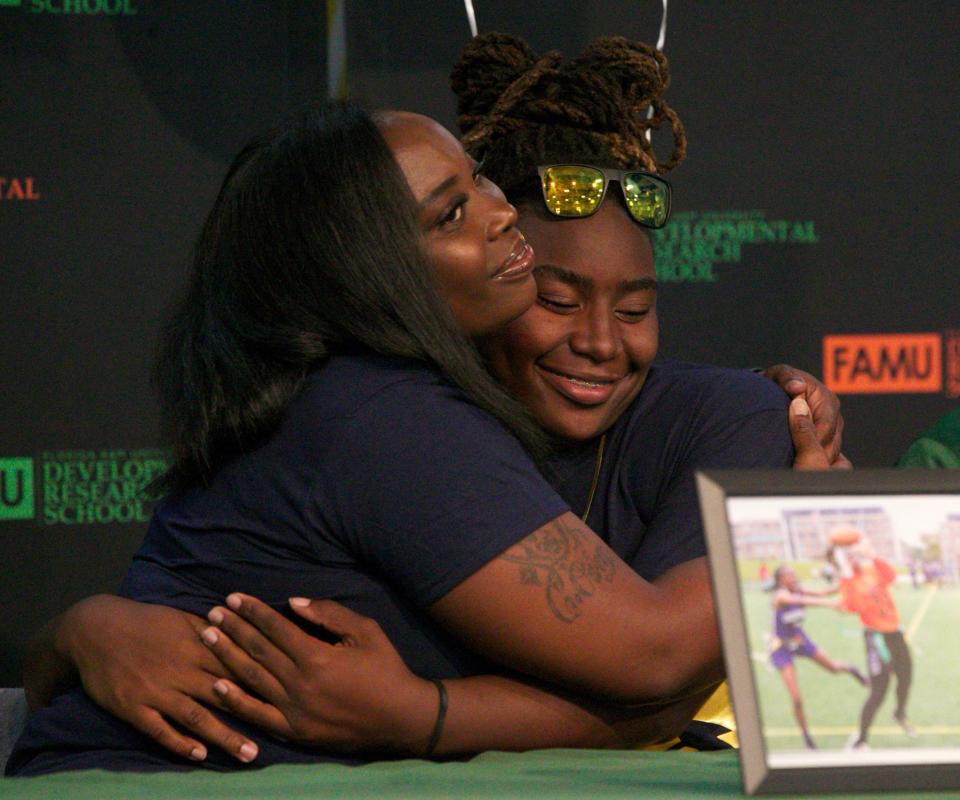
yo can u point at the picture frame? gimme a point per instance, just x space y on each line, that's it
795 634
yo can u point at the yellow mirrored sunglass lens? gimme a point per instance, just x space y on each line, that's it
572 191
646 199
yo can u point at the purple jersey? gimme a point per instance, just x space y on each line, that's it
788 620
791 639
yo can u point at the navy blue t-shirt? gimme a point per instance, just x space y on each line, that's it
686 417
327 518
384 489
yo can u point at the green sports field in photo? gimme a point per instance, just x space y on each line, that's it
930 618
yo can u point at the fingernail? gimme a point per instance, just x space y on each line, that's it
198 754
221 688
248 751
796 384
299 602
800 407
215 616
233 600
210 635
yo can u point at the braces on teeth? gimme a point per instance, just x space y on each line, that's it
580 382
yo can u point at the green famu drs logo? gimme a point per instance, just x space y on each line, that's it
84 487
16 488
693 242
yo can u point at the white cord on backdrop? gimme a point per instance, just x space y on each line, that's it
661 41
662 38
471 16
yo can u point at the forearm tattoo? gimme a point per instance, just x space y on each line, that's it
560 559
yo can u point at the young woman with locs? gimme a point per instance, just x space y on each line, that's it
574 585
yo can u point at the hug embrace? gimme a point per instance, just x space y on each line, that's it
433 485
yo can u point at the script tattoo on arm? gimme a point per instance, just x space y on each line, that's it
560 559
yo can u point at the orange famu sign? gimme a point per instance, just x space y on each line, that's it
883 363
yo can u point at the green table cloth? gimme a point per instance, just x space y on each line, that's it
543 774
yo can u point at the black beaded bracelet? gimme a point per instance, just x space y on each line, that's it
441 717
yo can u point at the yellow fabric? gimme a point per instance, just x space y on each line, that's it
718 710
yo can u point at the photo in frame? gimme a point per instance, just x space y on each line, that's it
838 600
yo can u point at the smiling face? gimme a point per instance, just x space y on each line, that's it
483 264
580 355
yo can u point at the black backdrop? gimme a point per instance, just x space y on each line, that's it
819 200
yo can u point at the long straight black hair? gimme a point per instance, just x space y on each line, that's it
311 246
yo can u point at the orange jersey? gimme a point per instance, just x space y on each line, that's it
868 595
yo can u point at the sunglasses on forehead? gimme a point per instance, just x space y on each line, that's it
577 190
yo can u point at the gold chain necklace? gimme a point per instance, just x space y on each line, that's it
596 477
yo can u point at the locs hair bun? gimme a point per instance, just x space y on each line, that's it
519 110
486 68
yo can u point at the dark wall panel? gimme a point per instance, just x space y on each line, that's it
122 126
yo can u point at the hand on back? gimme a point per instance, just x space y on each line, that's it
145 664
356 694
816 424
